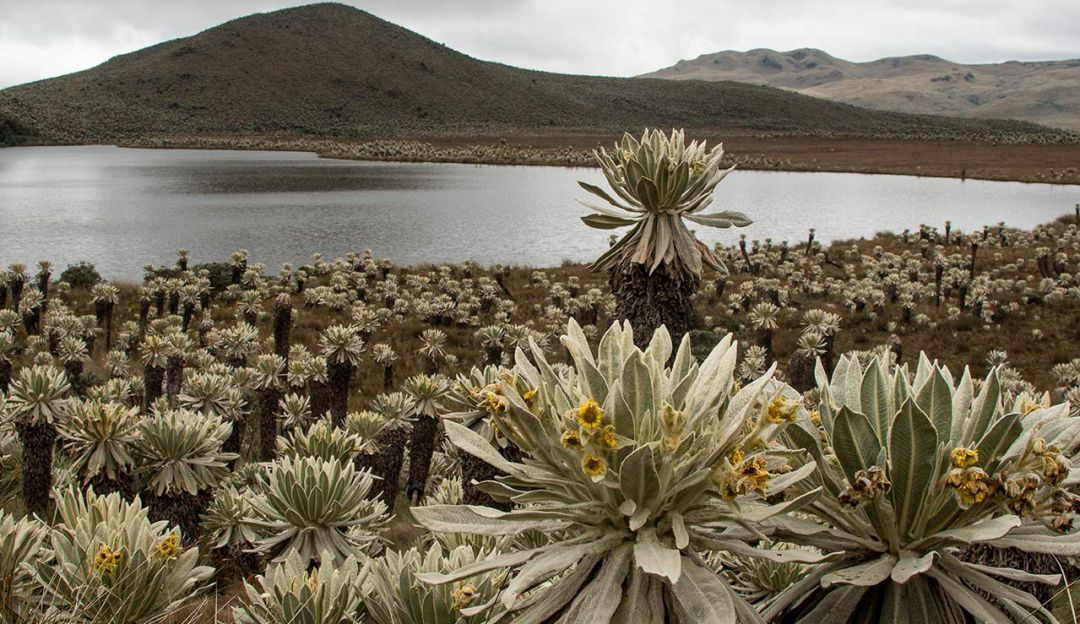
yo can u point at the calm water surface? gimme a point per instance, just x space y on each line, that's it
122 208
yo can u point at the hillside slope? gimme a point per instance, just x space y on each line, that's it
1042 92
330 70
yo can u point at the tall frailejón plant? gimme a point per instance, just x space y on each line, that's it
180 455
914 468
633 467
659 183
36 398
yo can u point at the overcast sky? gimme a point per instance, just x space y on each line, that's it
44 38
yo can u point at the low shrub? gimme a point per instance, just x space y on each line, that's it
80 275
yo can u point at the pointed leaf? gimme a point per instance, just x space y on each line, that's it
638 479
855 442
701 597
912 454
606 222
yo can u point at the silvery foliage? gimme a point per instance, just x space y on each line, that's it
658 475
913 467
659 183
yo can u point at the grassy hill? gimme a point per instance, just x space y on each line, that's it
1045 92
329 70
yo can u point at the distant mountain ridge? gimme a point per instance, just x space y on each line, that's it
1046 92
330 70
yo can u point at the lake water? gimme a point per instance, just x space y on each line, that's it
122 208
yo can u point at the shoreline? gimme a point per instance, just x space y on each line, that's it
884 238
962 339
1005 162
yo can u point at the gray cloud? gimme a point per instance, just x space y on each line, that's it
626 37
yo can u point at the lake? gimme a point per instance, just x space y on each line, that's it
123 208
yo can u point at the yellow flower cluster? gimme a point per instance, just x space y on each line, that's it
739 476
463 596
868 485
782 409
592 434
497 403
972 484
964 457
107 561
168 548
1053 467
603 438
490 397
1020 493
1026 404
1043 466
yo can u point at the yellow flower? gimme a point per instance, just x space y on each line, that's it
815 417
594 466
972 485
868 485
964 457
1027 404
463 596
741 476
571 440
107 560
1020 493
168 548
498 404
103 557
782 410
529 396
754 472
607 438
589 415
1054 470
